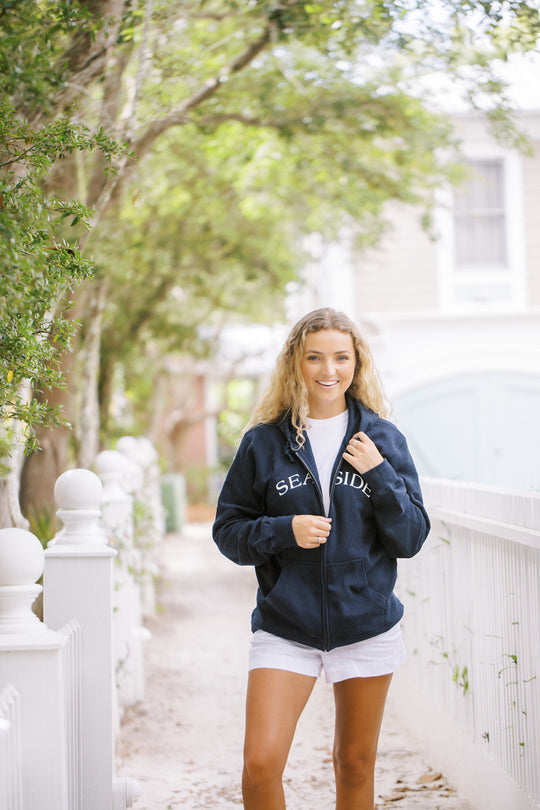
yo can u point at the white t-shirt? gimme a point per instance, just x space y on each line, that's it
325 437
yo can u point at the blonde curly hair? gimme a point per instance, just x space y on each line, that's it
286 394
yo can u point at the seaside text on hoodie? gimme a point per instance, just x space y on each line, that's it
342 591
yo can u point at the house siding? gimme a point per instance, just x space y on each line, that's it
400 275
531 194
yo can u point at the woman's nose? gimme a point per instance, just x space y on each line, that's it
328 367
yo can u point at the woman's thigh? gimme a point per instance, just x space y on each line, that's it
359 712
275 700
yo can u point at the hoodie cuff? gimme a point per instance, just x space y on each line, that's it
381 479
283 532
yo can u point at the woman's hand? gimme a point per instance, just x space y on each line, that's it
311 530
362 453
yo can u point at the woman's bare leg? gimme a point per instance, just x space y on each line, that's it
359 712
275 701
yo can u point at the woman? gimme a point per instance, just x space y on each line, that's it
321 498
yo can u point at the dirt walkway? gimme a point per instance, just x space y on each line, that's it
183 744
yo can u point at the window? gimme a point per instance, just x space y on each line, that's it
479 218
482 247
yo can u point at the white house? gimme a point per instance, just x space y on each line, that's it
454 323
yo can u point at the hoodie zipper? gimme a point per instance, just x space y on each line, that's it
323 568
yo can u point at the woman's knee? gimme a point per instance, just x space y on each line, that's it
353 765
263 765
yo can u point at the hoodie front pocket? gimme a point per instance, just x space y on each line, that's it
295 600
354 609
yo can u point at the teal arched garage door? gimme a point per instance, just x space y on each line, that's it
482 427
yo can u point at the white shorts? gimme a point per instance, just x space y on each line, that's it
379 655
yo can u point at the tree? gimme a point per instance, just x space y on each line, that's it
39 262
317 145
312 108
219 230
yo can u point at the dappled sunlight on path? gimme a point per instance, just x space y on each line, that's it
184 742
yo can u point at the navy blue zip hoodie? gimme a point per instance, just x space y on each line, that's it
342 591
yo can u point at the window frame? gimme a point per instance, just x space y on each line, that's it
453 278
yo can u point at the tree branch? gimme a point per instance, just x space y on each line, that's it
179 115
176 117
142 69
221 118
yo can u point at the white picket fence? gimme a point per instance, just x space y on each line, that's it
65 681
10 750
470 690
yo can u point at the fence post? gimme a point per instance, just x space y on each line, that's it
78 584
128 632
31 658
152 486
150 524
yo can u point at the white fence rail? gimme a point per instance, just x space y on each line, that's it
471 686
10 750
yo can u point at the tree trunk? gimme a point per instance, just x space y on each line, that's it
41 469
87 425
10 510
105 389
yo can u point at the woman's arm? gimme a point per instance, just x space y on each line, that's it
398 509
242 530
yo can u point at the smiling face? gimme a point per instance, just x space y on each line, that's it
327 365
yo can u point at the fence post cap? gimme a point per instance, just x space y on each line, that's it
147 452
78 489
111 462
21 557
129 446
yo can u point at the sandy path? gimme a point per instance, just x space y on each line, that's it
183 744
